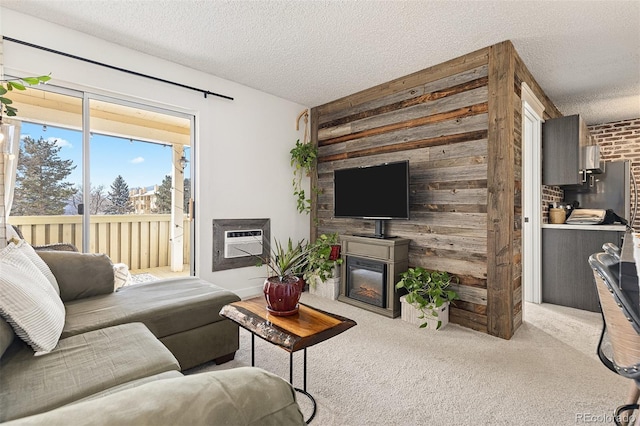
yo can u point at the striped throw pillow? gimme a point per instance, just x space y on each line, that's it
29 302
31 254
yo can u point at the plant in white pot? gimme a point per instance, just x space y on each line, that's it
428 296
322 267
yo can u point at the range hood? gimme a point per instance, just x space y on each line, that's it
591 159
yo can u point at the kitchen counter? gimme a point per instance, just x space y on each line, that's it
617 227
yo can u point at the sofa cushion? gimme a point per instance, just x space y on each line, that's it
132 384
29 302
243 396
80 275
79 367
167 307
6 336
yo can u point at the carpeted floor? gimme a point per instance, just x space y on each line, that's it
387 372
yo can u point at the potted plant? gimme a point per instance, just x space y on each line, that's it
428 296
282 287
303 160
323 258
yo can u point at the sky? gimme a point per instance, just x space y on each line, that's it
141 164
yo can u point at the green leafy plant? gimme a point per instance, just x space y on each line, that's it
16 84
427 291
319 263
285 260
303 160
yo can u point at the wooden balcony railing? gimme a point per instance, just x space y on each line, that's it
140 241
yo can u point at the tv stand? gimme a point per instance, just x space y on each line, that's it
384 237
379 231
379 228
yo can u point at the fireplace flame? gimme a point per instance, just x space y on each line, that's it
368 292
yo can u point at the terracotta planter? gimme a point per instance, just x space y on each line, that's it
282 296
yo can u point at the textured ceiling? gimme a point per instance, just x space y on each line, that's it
584 54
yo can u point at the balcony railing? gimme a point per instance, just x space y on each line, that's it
140 241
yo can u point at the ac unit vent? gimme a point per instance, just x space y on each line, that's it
242 243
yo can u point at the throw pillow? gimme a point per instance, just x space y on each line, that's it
121 275
31 254
80 275
29 302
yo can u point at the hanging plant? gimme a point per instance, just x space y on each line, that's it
16 84
303 160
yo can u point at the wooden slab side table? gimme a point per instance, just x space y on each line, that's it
292 333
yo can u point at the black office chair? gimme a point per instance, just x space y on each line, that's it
623 329
613 250
604 345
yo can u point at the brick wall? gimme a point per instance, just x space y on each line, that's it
620 140
550 194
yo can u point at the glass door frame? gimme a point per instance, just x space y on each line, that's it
85 97
86 175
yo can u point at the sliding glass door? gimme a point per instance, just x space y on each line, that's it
112 177
139 173
49 166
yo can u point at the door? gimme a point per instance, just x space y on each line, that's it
132 159
139 164
532 111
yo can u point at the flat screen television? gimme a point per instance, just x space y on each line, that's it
377 192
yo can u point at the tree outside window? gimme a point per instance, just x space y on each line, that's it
41 188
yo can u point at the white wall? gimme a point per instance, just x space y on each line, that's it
242 146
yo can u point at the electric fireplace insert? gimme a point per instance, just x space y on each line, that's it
366 281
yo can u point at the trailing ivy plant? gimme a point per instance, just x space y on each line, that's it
303 160
16 84
427 291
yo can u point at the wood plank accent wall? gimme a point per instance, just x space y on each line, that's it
457 124
438 120
501 184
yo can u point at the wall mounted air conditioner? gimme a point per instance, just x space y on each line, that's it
242 243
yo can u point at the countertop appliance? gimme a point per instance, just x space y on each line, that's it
609 190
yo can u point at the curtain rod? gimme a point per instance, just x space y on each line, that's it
68 55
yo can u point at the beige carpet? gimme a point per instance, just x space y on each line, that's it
387 372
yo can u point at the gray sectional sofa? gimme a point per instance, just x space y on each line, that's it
120 355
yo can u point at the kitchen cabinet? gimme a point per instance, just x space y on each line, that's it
563 140
567 278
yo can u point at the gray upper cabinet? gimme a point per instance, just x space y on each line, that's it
563 140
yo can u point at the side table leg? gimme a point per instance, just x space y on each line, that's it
304 383
291 367
304 373
253 350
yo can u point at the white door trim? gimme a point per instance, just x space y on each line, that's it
532 113
529 97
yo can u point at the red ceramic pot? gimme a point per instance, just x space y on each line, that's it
335 252
282 296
